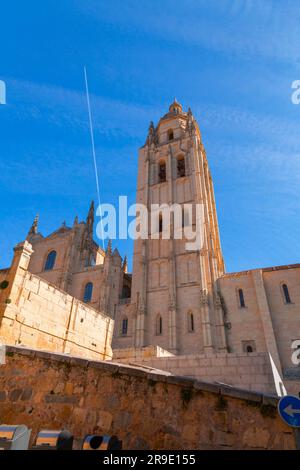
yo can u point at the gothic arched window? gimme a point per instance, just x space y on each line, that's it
191 324
88 292
285 290
162 172
180 167
50 261
159 325
241 298
124 326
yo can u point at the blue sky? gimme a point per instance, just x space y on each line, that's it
232 61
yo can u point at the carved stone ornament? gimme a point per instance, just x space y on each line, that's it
190 125
203 296
218 302
152 135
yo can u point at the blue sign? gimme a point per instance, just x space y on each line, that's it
289 410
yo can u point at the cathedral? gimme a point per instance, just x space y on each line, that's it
179 310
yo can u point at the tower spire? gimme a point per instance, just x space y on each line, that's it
152 137
34 227
90 219
91 211
125 263
109 247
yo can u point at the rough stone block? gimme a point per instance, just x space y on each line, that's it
26 394
61 399
104 421
15 394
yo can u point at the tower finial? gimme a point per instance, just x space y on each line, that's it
125 263
175 107
34 227
109 247
152 137
90 219
91 210
190 124
151 125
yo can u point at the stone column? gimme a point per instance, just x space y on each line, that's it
18 270
173 343
200 198
141 303
215 269
10 297
140 324
265 315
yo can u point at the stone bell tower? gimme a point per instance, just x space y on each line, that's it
174 289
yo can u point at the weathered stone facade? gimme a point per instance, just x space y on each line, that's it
212 325
79 261
247 314
267 322
35 313
169 282
145 408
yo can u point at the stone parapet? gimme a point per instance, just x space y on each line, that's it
147 409
245 370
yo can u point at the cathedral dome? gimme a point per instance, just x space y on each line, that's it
175 109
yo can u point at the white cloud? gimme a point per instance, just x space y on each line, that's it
244 27
67 108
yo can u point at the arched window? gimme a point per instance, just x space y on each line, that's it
160 224
170 134
124 326
241 298
50 261
158 325
162 172
88 292
248 346
180 167
285 290
191 325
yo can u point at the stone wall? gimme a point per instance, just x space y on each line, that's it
266 322
139 354
247 371
146 410
37 314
